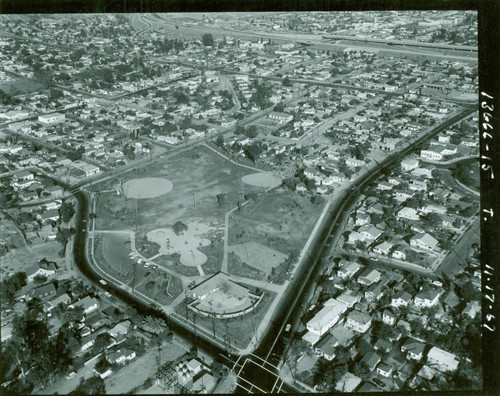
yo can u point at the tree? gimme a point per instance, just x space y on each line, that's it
90 386
207 40
179 228
361 370
154 324
219 141
287 82
101 342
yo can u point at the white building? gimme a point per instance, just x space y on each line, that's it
326 318
442 360
51 118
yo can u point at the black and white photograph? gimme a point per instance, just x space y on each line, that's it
245 202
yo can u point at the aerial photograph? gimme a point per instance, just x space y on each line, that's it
259 202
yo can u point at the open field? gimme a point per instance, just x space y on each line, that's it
19 86
237 331
286 230
258 256
196 179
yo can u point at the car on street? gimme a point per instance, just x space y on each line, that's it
103 282
378 382
312 307
288 327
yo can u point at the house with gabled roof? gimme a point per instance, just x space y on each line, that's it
43 269
424 241
385 370
43 292
358 321
401 299
383 248
369 232
121 355
408 214
326 347
89 304
349 298
388 317
374 292
369 276
371 359
348 269
427 298
414 349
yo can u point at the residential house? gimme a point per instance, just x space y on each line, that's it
369 276
383 345
120 329
362 219
385 186
424 241
358 321
388 317
120 356
55 191
472 309
89 304
371 359
395 180
374 292
409 164
49 215
348 269
369 232
40 268
399 253
326 347
427 298
301 187
383 248
326 317
401 299
349 298
414 349
442 360
408 213
385 370
43 292
62 299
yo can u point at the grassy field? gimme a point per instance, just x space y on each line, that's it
119 266
237 267
286 230
238 331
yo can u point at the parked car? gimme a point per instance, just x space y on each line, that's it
378 382
288 327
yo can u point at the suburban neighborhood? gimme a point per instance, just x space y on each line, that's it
240 203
